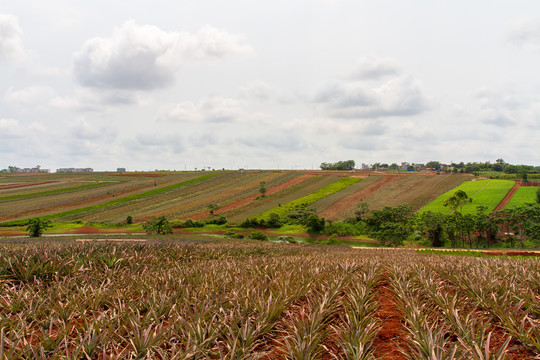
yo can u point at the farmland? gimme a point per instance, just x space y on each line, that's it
225 299
108 198
487 193
522 196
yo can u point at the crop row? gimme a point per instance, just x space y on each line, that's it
240 300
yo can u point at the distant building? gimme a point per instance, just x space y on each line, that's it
121 170
74 170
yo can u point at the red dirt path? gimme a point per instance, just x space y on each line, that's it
507 197
353 199
392 336
249 199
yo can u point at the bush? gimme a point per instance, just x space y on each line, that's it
129 220
341 229
36 227
192 224
222 220
233 235
257 235
158 226
274 221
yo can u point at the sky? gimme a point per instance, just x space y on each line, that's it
284 84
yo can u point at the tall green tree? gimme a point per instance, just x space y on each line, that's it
457 200
158 226
433 224
36 227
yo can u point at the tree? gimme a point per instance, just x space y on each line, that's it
392 234
433 165
13 169
457 201
158 226
340 165
523 174
129 219
37 226
433 224
538 196
315 225
262 188
212 208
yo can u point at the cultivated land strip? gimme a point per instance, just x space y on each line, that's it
507 197
251 198
341 205
114 202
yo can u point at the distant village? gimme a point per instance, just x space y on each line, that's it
499 166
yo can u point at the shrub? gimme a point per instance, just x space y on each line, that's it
129 219
257 235
158 226
341 229
233 235
36 227
192 224
222 220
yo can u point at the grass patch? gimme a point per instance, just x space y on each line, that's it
523 195
484 192
327 190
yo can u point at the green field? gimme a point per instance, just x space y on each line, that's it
330 189
522 196
483 192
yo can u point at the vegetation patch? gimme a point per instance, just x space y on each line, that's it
487 193
327 190
523 195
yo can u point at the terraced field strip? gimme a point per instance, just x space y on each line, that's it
251 198
334 210
305 188
222 190
522 196
52 192
507 197
181 199
15 186
488 193
117 201
310 199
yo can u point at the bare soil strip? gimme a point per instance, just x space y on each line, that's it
250 198
391 339
353 199
507 197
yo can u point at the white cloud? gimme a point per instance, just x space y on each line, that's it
375 68
30 96
146 57
10 38
81 129
401 96
158 143
10 128
210 110
525 31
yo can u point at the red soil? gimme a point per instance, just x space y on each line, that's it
507 197
15 186
353 199
249 199
392 336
